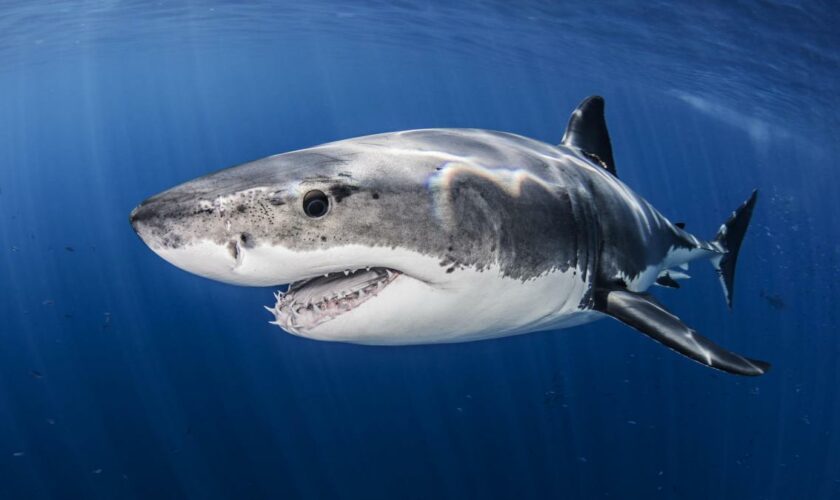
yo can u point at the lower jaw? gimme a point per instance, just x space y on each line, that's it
298 316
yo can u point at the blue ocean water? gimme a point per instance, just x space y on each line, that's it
124 377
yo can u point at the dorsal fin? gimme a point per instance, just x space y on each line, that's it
587 131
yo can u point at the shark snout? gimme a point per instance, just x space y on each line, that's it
158 222
133 219
145 215
197 236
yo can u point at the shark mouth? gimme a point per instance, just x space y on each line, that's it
313 301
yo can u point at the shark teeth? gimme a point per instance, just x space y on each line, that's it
314 301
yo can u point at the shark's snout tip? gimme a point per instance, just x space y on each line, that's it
141 215
135 217
132 217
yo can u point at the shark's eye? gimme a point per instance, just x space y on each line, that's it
316 204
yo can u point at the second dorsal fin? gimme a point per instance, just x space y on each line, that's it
587 131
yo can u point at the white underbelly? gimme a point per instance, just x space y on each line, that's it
475 305
567 320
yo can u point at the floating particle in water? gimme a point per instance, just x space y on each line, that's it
774 300
51 421
97 471
48 302
632 422
18 454
107 320
69 248
583 460
35 374
551 397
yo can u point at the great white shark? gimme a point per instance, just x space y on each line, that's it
445 235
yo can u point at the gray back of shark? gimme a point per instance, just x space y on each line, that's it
469 200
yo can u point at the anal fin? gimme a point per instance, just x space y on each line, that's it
643 313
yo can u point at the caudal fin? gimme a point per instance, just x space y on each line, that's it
729 238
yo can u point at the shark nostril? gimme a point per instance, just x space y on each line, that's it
233 248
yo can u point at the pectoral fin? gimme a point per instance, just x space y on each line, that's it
643 313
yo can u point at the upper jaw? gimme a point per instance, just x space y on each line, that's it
266 265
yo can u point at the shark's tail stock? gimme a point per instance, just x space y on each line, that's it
728 239
642 312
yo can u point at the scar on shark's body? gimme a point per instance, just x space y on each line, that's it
445 235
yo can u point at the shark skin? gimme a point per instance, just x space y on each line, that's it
444 235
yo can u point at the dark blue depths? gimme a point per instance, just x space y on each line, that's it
123 377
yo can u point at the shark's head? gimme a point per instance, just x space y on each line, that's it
371 239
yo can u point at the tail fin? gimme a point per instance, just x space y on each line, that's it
729 238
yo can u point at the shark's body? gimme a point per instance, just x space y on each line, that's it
443 235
